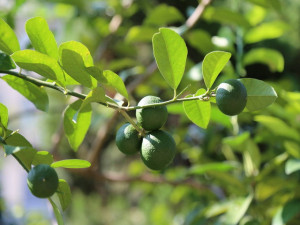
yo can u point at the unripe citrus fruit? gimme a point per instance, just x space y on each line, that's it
42 181
128 139
152 118
231 97
158 149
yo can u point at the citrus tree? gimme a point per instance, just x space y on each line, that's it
70 69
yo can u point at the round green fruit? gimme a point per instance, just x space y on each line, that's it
158 149
231 97
42 181
128 139
152 118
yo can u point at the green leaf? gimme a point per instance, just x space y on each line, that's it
200 40
251 158
6 63
259 94
213 64
140 34
16 139
237 210
292 148
8 40
286 212
278 127
265 31
201 169
74 58
37 95
64 194
237 142
58 216
42 157
3 115
163 15
40 63
270 57
95 95
225 16
110 79
170 53
71 163
42 39
292 165
24 155
76 128
198 111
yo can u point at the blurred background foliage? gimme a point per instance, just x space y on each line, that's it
241 170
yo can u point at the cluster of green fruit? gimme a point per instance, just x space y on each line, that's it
42 181
157 147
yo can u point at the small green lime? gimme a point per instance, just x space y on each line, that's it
128 139
158 149
231 97
42 181
152 118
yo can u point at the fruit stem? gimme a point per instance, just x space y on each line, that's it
130 120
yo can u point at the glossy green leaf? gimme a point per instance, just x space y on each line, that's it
140 34
74 58
3 115
6 63
259 94
213 64
76 123
42 157
286 212
163 15
71 163
24 155
265 31
170 53
272 58
42 39
224 16
292 165
37 95
16 139
200 40
8 40
201 169
237 210
278 127
58 216
40 63
198 111
64 194
95 95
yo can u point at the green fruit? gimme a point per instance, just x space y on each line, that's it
42 181
158 149
152 118
128 139
231 97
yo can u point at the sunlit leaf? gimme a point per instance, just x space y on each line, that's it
292 165
286 212
259 94
95 95
170 53
3 115
198 111
42 39
71 163
163 15
77 120
203 168
213 64
74 58
265 31
64 194
42 157
8 40
140 34
37 95
272 58
200 40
